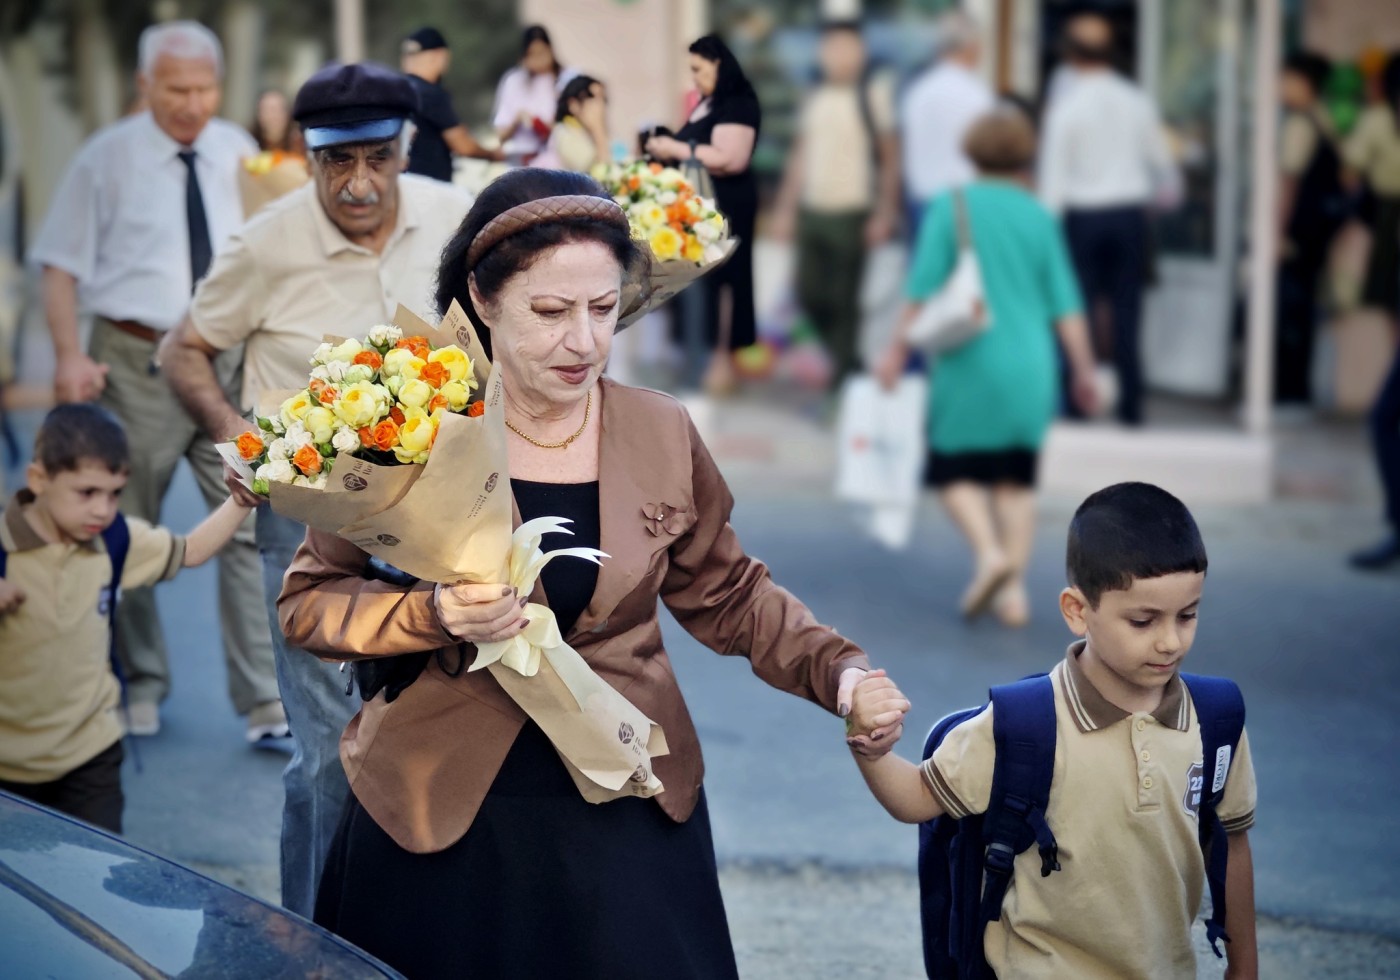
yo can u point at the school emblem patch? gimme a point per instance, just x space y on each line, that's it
1195 783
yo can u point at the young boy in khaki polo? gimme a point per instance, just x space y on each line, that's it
60 737
1127 746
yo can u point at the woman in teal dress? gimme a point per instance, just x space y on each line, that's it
992 399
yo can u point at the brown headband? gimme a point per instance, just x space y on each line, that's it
541 211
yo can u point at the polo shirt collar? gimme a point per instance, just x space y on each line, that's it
333 240
167 148
1092 711
22 533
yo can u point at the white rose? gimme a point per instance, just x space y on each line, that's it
280 449
297 436
708 233
385 335
666 198
320 373
358 372
278 427
321 354
278 471
345 440
336 370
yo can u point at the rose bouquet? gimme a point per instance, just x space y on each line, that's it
381 399
685 233
398 445
268 175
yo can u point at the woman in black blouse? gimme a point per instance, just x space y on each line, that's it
721 134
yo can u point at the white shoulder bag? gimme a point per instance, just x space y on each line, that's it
958 312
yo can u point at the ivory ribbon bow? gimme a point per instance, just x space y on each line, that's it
522 652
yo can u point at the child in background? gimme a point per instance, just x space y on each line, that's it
1125 796
60 735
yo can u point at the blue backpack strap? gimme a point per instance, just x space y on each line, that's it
1220 712
117 539
1023 725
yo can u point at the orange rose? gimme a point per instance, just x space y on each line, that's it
438 401
476 410
369 358
308 460
327 395
386 435
435 373
656 168
397 415
366 437
418 345
250 445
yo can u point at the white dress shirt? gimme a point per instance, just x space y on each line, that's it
118 225
938 109
1103 145
289 278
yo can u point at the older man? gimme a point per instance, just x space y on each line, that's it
133 226
335 257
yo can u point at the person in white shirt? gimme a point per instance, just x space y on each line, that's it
527 97
938 109
1104 161
335 257
133 226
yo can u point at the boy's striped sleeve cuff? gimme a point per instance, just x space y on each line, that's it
1238 825
942 792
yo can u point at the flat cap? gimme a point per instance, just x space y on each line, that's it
424 39
358 103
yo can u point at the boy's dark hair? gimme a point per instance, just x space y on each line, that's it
1130 531
73 434
1311 67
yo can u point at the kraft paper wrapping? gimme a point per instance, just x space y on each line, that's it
259 190
664 280
449 521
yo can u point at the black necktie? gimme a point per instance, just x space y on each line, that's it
201 253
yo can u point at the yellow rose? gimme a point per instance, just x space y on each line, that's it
665 244
361 404
400 361
648 216
416 437
694 251
452 357
457 395
415 393
346 351
294 409
320 422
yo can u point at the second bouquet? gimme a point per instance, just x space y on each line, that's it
398 445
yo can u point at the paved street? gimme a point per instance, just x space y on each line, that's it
819 881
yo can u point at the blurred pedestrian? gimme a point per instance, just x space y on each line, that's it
528 97
579 140
1385 436
840 193
1373 151
335 256
994 397
133 227
720 135
273 129
1312 207
937 110
439 134
1104 162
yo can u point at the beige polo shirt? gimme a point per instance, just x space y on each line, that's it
290 277
1123 811
838 160
58 697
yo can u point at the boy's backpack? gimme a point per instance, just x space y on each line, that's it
117 539
1321 204
965 866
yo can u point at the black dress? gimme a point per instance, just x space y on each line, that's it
544 884
737 198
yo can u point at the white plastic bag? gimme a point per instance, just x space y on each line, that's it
881 454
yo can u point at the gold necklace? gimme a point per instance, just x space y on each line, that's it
587 411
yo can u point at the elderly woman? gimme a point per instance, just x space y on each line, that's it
465 845
994 397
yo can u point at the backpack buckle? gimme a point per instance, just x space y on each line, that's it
1000 858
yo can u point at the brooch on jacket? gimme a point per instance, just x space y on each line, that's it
662 517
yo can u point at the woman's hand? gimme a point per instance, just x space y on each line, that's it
667 148
891 365
1084 390
11 597
480 613
881 730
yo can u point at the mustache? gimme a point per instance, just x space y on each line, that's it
345 197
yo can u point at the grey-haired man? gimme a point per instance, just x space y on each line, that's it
334 257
